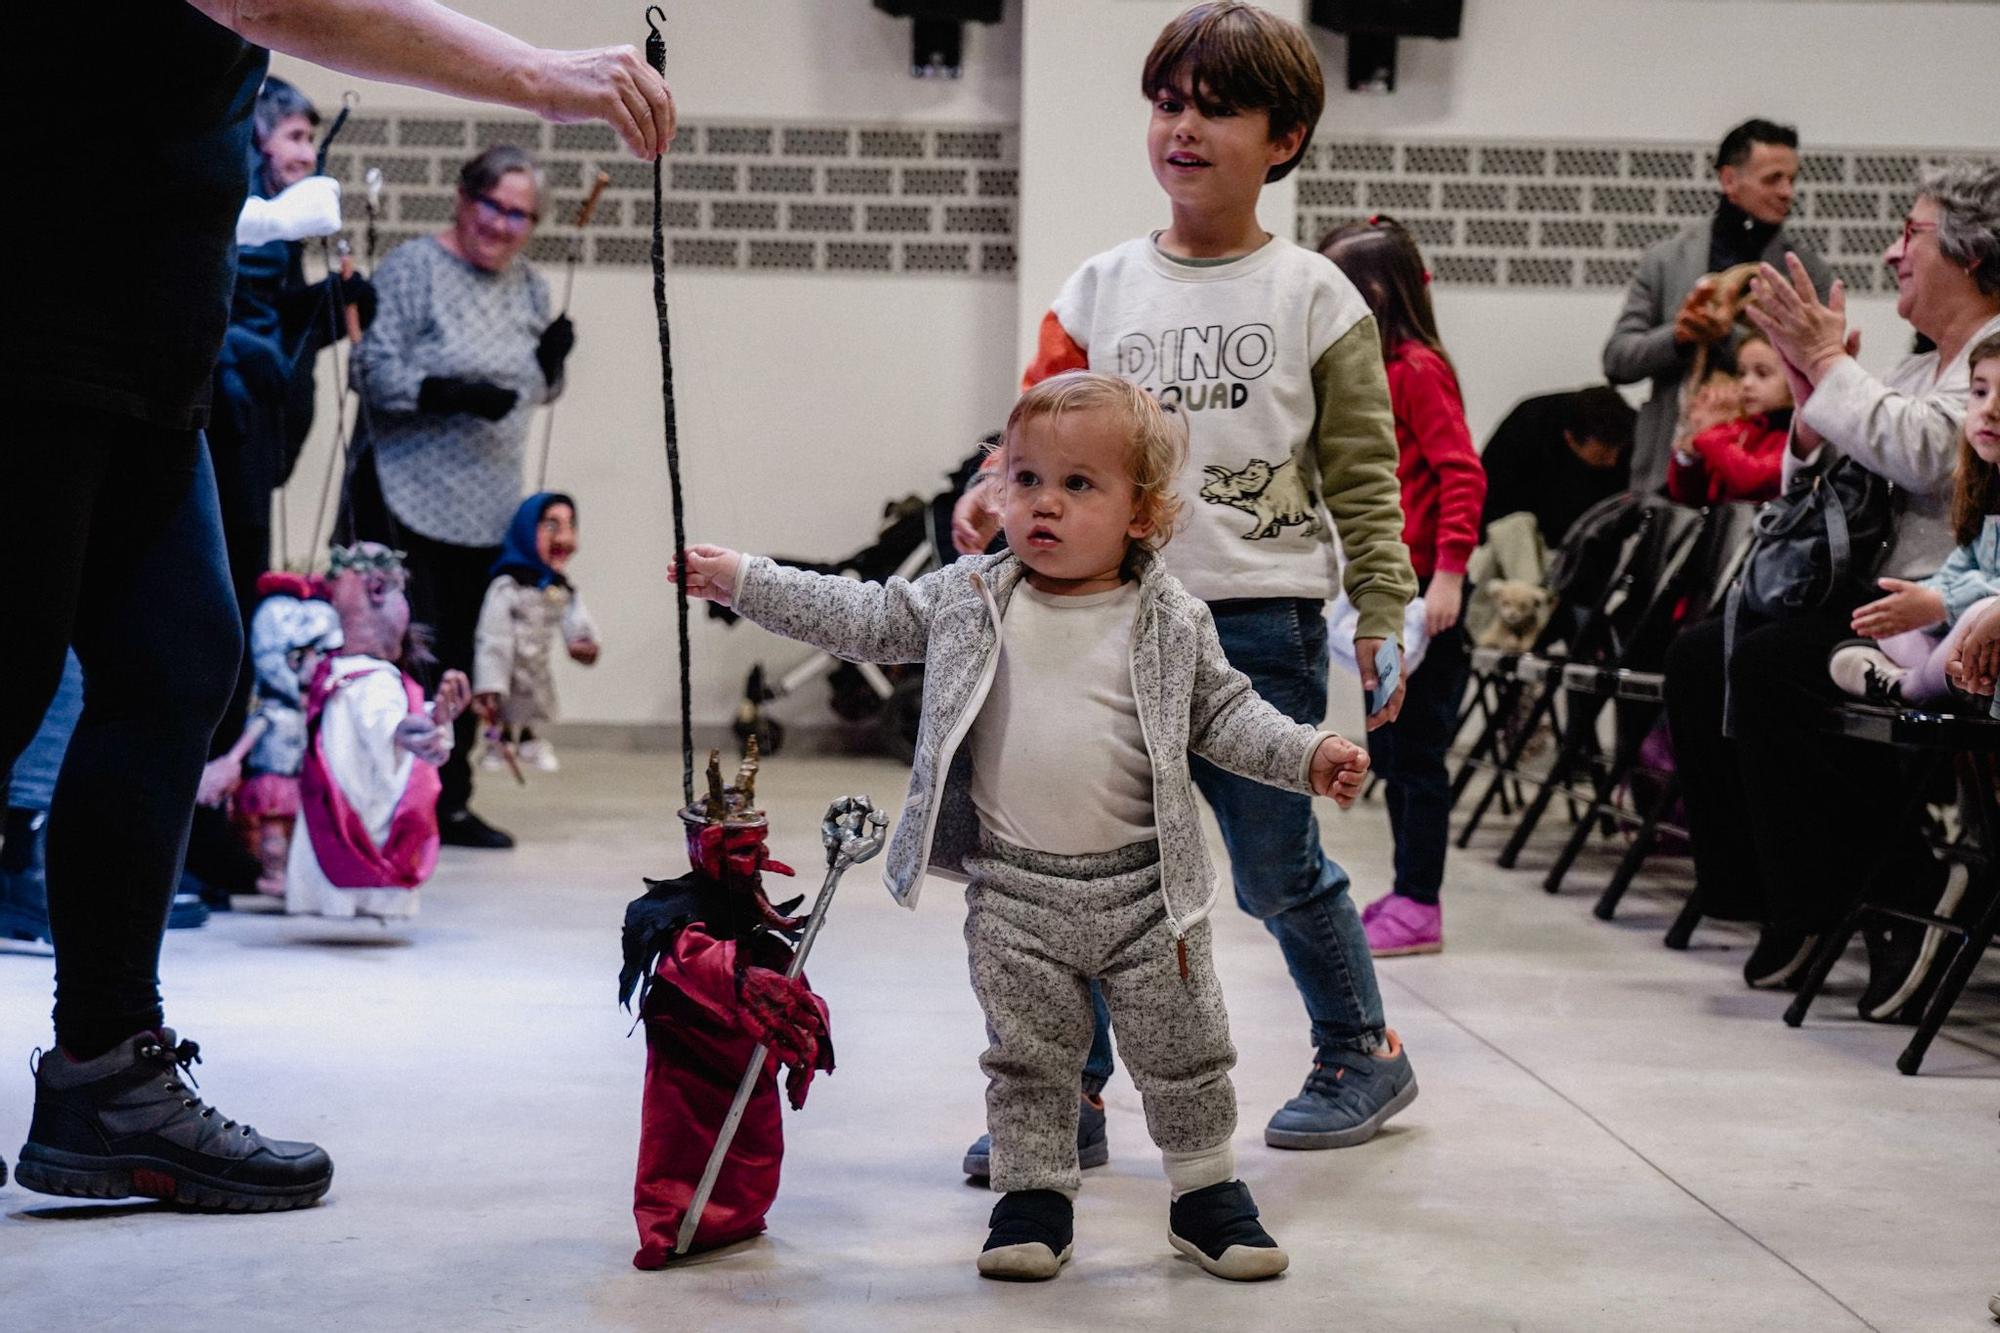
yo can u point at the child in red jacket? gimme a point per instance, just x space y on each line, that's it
1736 454
1444 490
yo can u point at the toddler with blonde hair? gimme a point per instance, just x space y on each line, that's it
1066 682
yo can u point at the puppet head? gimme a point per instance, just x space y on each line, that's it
724 890
365 583
289 634
725 838
540 540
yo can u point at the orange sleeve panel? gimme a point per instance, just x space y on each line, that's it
1055 352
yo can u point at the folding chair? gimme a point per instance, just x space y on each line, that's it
1639 693
1971 746
1590 574
1637 629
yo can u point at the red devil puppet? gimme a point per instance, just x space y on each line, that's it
713 952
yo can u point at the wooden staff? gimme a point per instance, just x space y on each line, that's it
583 216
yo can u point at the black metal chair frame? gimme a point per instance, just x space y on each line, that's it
1971 745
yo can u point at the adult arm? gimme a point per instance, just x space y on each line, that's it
1641 345
1912 440
385 369
1354 438
425 45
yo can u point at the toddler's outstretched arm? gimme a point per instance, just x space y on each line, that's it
862 622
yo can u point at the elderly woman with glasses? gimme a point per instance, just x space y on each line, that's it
462 349
1787 820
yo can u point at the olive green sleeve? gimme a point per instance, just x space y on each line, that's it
1354 438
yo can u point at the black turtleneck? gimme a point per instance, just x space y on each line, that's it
1736 238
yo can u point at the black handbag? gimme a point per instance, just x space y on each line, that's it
1817 544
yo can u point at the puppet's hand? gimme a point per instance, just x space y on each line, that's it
779 1011
423 738
583 651
220 777
454 693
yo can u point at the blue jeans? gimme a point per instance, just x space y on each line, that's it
1281 875
33 784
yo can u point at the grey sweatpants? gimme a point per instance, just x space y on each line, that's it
1038 930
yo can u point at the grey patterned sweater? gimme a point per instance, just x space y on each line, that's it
452 477
1190 701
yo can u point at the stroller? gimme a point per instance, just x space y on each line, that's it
881 704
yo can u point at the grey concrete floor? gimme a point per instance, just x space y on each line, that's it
1610 1136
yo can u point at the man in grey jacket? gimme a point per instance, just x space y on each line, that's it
1667 313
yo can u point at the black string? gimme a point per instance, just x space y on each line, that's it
656 56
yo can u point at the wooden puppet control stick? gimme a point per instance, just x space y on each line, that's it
583 216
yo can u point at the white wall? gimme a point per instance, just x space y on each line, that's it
804 401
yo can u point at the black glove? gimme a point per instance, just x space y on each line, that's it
358 291
488 401
304 312
554 348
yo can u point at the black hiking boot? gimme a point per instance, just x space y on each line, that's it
128 1124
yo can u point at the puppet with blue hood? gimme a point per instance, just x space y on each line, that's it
529 601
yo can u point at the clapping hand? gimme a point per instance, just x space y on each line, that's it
1975 662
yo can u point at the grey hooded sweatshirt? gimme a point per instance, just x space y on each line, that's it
1189 699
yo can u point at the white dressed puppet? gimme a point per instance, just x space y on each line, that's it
368 788
291 633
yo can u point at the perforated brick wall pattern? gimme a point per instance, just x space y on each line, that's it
752 197
1578 216
742 196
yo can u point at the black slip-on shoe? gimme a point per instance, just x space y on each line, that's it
1217 1227
128 1124
1031 1235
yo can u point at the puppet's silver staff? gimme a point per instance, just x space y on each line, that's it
852 832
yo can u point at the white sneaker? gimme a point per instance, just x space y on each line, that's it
1866 672
491 760
539 755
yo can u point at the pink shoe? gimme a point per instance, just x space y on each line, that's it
1397 926
1374 909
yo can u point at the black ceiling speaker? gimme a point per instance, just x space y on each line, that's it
937 31
1372 27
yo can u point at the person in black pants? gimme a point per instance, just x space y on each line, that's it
108 352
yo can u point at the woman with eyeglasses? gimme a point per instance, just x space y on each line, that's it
1788 819
462 349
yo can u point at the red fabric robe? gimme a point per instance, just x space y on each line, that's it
696 1051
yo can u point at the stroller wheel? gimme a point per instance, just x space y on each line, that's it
896 726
